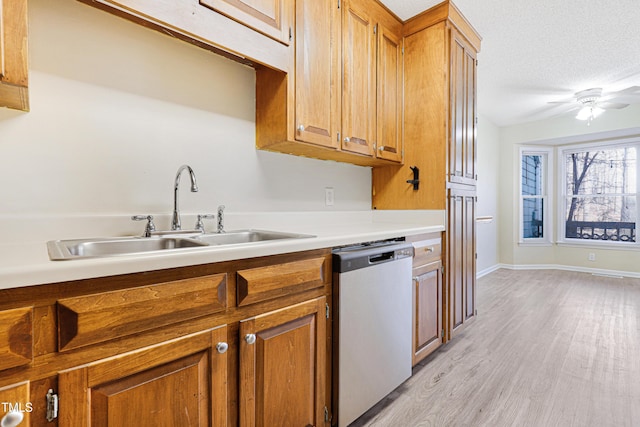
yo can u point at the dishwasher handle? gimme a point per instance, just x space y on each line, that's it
385 256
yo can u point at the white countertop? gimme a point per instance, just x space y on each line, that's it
25 261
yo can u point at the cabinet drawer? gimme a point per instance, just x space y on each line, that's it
273 281
427 251
16 337
100 317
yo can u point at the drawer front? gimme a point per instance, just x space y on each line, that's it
16 337
427 251
265 283
101 317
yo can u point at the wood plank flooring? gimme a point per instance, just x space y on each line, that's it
548 348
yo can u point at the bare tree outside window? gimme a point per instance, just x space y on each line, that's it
601 194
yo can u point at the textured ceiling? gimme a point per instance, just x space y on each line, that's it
536 52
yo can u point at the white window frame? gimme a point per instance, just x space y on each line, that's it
547 196
562 193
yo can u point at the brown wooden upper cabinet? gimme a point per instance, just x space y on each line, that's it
440 49
14 73
349 112
269 17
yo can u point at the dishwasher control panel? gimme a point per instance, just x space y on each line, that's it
366 255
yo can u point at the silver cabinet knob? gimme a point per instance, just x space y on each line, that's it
381 148
347 139
222 347
250 338
12 419
300 128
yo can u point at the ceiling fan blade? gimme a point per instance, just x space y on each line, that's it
607 105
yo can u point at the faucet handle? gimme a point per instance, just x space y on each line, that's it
150 227
200 224
221 219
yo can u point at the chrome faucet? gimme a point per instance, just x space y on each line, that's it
175 221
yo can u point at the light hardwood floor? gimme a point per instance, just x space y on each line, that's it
548 348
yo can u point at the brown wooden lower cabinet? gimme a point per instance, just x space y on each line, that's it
427 308
182 382
461 262
283 366
16 398
427 295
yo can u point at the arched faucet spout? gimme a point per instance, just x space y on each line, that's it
175 221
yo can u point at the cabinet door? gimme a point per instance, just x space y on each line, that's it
317 108
182 382
283 367
389 137
269 17
462 148
427 307
16 398
14 73
358 79
461 266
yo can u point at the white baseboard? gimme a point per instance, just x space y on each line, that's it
486 271
596 271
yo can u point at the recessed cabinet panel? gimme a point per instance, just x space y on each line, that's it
182 382
316 74
389 110
358 84
283 367
269 17
17 397
16 337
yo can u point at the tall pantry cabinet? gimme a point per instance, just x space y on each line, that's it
440 141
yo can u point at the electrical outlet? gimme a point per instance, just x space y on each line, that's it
328 196
591 256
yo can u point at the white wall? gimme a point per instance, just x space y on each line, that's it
488 179
116 109
548 131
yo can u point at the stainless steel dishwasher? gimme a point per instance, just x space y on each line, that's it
372 302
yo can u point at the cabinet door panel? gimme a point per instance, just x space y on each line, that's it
462 149
427 311
16 337
181 382
269 17
282 372
461 258
17 397
358 84
316 73
389 139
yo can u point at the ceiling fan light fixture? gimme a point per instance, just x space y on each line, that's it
589 112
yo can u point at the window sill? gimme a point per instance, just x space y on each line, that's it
617 246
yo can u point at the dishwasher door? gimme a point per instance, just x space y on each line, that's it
374 326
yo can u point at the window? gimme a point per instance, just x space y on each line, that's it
600 194
534 197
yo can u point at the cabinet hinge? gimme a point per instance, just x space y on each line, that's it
326 310
327 416
403 50
442 333
475 312
476 62
375 29
476 120
338 4
338 137
290 34
52 405
442 269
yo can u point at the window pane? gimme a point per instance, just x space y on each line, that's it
602 218
610 171
532 212
531 175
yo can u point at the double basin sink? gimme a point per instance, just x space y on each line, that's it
107 247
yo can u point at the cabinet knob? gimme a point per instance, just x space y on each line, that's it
12 419
381 148
222 347
250 338
347 139
300 128
428 250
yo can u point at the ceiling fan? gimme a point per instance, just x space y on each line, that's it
592 102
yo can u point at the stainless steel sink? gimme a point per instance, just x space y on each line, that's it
108 247
91 248
247 236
